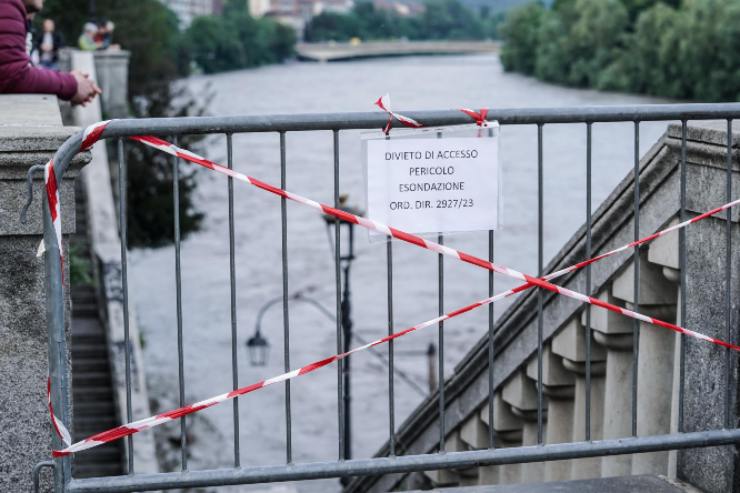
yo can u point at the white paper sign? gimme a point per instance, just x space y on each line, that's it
424 185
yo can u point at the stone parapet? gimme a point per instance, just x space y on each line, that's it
30 132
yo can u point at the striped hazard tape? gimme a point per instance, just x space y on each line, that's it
96 131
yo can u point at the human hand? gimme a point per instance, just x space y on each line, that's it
87 89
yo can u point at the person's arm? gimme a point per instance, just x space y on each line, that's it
42 81
16 73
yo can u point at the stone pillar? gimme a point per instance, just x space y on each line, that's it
558 387
705 384
111 74
508 434
30 132
111 67
614 332
570 344
520 393
655 361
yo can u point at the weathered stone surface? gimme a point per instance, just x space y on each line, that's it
30 132
111 69
706 385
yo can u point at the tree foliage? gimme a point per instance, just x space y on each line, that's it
675 48
441 19
236 40
160 54
150 33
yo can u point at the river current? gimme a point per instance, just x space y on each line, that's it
414 83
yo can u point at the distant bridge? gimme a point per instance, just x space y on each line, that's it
331 52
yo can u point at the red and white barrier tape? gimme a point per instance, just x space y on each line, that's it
53 199
372 225
384 103
478 116
59 427
134 427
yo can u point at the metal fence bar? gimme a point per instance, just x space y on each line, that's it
682 276
441 344
540 271
123 226
391 354
371 120
338 287
408 463
441 339
178 291
491 348
491 342
588 281
636 274
728 280
286 309
391 348
232 289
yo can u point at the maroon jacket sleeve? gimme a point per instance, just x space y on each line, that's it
17 75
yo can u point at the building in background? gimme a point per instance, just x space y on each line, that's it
187 10
295 13
401 7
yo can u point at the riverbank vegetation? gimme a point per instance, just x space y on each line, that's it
684 49
237 40
158 59
439 19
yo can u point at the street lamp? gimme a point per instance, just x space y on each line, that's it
258 349
346 323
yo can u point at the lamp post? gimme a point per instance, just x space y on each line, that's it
258 346
345 260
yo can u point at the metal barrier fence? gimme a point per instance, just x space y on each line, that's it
344 466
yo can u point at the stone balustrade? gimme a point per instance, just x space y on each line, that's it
704 385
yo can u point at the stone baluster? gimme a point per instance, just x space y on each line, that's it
614 332
520 393
663 251
508 430
570 344
451 477
655 364
559 388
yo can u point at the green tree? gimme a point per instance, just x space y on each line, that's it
551 48
637 7
236 40
214 45
708 59
149 31
449 19
158 57
520 33
442 19
332 26
594 39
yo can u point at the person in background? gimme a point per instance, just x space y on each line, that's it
104 36
17 75
48 44
87 38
